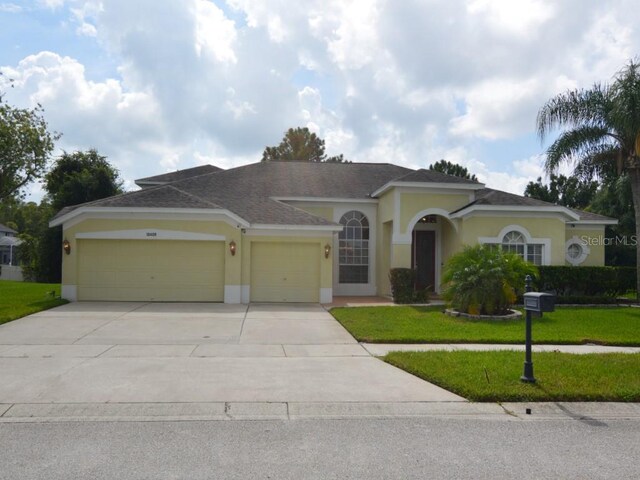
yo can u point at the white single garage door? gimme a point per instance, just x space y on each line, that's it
285 272
151 270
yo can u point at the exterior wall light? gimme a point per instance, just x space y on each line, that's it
66 246
232 247
327 250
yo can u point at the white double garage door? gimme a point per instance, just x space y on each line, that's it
192 271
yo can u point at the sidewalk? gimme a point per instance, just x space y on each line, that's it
381 349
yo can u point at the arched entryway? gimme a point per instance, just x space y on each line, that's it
432 241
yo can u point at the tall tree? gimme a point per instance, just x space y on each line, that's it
614 199
454 169
25 147
571 192
81 177
75 178
600 131
299 145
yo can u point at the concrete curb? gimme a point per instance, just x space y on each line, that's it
574 410
381 349
225 411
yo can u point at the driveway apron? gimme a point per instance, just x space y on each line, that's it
195 352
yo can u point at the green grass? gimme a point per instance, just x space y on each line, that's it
495 376
18 299
631 295
567 325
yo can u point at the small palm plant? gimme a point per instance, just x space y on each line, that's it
484 280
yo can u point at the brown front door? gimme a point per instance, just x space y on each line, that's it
424 258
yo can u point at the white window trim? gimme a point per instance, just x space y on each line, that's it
356 289
585 251
546 242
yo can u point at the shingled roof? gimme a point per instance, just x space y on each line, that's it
431 176
177 175
250 191
254 192
489 196
4 228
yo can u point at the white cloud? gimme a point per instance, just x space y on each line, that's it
277 31
349 30
494 109
406 82
512 180
214 32
10 8
51 4
517 18
82 15
90 114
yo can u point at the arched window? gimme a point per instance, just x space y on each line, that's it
354 248
516 243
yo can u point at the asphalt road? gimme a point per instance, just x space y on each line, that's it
402 448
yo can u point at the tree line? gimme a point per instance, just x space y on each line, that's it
71 179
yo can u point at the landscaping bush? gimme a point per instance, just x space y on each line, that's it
586 281
578 300
403 287
483 280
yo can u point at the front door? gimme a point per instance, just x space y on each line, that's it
424 258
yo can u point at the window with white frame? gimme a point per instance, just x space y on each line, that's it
353 248
576 251
516 243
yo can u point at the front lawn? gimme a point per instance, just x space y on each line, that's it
18 299
495 376
567 325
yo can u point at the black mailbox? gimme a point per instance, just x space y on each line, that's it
539 302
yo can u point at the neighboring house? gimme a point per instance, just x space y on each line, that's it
9 258
302 232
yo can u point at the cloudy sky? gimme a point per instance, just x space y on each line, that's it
160 85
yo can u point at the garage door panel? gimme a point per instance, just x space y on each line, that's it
147 270
285 272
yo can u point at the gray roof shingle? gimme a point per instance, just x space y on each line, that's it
590 216
251 191
177 175
248 190
431 176
489 196
4 228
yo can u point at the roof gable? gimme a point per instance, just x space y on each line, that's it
177 175
497 198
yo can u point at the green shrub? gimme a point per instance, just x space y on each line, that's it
484 280
403 287
586 281
577 300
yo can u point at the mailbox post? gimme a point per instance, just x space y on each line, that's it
533 302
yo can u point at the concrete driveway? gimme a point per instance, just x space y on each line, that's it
161 352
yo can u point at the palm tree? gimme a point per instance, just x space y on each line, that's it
600 132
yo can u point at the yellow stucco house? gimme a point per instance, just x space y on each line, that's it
302 232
